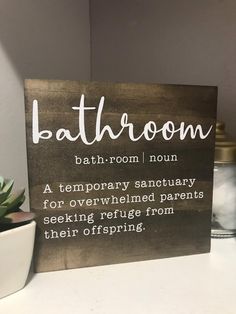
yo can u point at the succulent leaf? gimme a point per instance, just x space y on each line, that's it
18 217
7 186
3 196
1 182
14 200
11 215
6 190
21 201
3 210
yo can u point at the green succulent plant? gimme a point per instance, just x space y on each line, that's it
10 213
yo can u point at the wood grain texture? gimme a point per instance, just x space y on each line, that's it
52 162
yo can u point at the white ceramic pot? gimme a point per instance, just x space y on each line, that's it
16 250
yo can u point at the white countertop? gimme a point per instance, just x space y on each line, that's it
197 284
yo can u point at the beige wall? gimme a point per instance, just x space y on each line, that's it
38 39
172 41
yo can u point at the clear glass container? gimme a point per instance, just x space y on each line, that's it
224 189
224 200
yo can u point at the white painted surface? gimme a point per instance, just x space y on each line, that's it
38 39
198 284
171 42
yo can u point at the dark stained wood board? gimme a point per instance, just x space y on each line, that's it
186 231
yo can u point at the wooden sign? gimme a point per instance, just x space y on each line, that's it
119 172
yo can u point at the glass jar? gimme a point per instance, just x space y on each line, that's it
224 190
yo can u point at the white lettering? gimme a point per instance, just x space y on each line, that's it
150 129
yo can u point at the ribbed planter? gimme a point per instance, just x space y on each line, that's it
16 250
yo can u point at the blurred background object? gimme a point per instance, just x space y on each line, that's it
224 194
